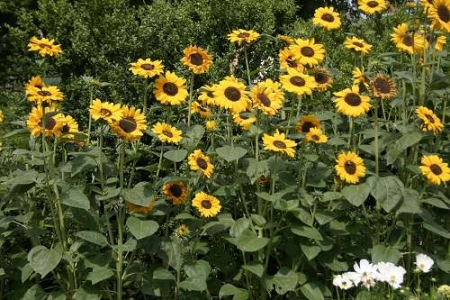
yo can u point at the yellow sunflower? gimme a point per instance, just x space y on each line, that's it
175 192
242 37
244 119
130 125
323 78
35 120
426 3
207 94
308 52
407 41
231 94
351 103
288 60
383 86
435 169
371 7
141 209
170 89
306 123
350 167
287 39
268 97
2 116
44 47
439 13
105 111
34 83
279 143
66 127
360 78
147 68
196 59
46 94
207 205
210 125
357 45
298 83
316 136
182 230
204 112
430 121
440 42
198 161
327 18
167 133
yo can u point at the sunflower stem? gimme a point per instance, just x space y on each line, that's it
144 106
351 144
120 225
271 231
160 161
90 117
191 92
247 66
375 119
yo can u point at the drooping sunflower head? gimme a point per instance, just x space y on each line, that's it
326 18
288 60
351 103
203 111
279 143
231 94
66 128
130 125
196 59
141 209
268 97
175 192
357 45
41 117
371 7
306 123
383 86
170 89
407 41
199 162
315 135
242 36
206 205
167 133
322 77
244 119
350 167
298 83
308 52
44 47
147 68
430 122
45 95
105 111
435 169
439 13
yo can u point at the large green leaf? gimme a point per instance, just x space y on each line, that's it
44 260
256 268
193 136
248 241
141 228
231 153
197 269
387 254
406 141
312 291
176 155
387 190
308 232
194 284
231 290
310 251
140 194
239 226
285 280
93 237
356 194
76 198
99 274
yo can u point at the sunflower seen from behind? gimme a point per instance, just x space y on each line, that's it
170 89
350 167
279 143
268 97
147 68
167 133
326 18
308 52
207 205
435 169
175 192
231 94
196 59
44 47
430 122
298 83
243 37
131 125
199 162
105 111
351 103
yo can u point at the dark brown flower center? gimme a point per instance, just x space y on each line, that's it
170 88
206 204
196 59
167 132
291 62
65 129
352 99
358 44
328 17
307 126
297 81
407 40
315 137
176 190
203 164
44 93
279 144
430 118
436 169
232 93
147 67
321 78
382 85
264 99
128 124
443 13
50 123
350 167
43 46
307 51
105 112
243 35
210 94
373 4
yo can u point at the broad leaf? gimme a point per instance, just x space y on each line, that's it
176 155
387 254
231 290
141 228
44 260
93 237
356 194
76 198
387 190
231 153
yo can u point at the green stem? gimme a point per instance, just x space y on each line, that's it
351 143
375 119
191 93
160 161
120 226
146 88
247 67
90 118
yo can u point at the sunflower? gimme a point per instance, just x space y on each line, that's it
34 83
287 39
167 133
308 52
434 169
35 120
430 121
439 13
350 167
130 125
406 41
268 97
244 119
279 143
306 123
357 45
182 230
359 77
2 116
196 59
204 112
242 37
207 94
440 42
371 7
147 68
207 205
323 78
175 192
231 94
170 89
383 86
298 83
46 94
198 161
44 47
105 111
288 60
66 127
327 18
316 136
351 103
426 3
210 125
141 209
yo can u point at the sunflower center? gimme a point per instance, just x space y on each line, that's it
372 4
297 81
279 144
443 13
50 123
175 189
196 59
44 93
291 62
147 67
105 112
430 118
202 163
128 125
210 94
315 137
436 169
350 167
232 93
206 204
328 18
43 46
243 35
264 99
353 99
307 51
358 44
167 133
321 78
306 127
65 129
382 86
170 88
407 40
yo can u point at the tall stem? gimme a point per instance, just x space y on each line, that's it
120 225
375 119
247 67
191 92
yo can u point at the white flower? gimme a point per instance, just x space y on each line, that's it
343 281
424 262
368 273
391 274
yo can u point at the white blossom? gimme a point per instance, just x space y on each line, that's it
368 273
343 281
391 274
424 262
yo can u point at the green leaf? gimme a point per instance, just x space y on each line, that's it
76 198
176 155
284 281
248 241
141 228
410 203
356 194
82 163
256 268
308 232
197 269
20 131
193 136
406 141
44 260
140 194
193 284
231 290
330 196
432 226
163 274
93 237
312 291
436 202
387 190
99 274
230 153
239 226
310 251
255 169
387 254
